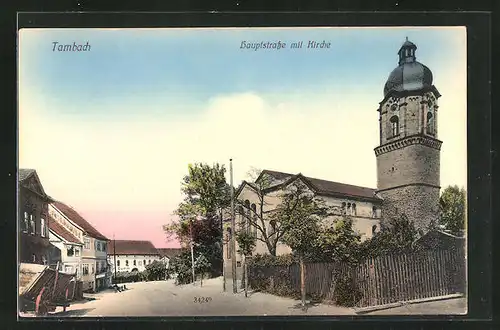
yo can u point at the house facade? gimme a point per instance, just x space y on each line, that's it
94 271
66 249
33 233
131 255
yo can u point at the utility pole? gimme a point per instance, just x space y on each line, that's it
192 251
222 241
114 256
233 231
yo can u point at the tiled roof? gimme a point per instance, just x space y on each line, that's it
132 247
24 173
329 187
62 232
79 220
170 252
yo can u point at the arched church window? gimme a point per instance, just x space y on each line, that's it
430 123
247 216
395 125
343 208
353 209
254 216
374 212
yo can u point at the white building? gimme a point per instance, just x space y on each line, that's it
131 255
93 268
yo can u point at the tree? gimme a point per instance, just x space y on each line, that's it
299 216
338 243
397 235
453 209
246 242
201 266
156 270
206 194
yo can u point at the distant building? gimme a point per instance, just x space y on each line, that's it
131 255
167 254
33 235
94 271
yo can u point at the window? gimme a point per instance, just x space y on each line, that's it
98 245
70 251
149 262
91 269
374 229
374 212
354 209
103 247
247 218
395 125
118 263
77 252
140 263
68 269
32 224
44 260
98 267
343 208
33 257
25 222
126 263
135 263
430 123
87 243
85 269
42 227
144 262
254 216
349 208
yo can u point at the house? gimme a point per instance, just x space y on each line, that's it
166 254
361 204
94 271
66 249
131 255
33 235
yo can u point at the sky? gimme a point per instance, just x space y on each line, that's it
111 131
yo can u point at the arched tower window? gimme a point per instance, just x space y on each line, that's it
394 125
430 123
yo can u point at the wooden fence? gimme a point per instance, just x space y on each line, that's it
404 277
377 281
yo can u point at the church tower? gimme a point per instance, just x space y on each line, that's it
408 155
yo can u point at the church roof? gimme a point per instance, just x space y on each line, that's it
323 187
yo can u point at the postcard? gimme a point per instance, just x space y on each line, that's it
242 171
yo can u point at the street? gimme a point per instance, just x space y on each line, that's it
164 298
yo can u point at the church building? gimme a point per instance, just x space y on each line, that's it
408 165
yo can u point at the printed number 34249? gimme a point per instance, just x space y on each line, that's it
202 300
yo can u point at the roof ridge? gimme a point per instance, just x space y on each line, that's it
346 184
